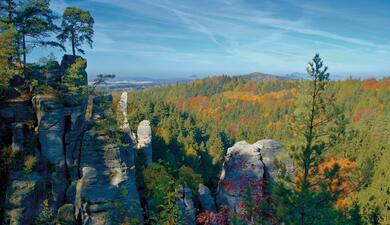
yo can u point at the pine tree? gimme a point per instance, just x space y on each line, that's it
8 68
215 148
74 84
34 22
318 125
355 216
77 27
7 11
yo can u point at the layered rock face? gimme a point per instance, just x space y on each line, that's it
51 130
24 194
24 191
250 166
92 184
45 136
106 193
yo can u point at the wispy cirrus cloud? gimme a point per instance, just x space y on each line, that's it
280 35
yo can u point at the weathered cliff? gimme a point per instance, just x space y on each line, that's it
43 134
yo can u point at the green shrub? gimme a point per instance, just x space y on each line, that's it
29 163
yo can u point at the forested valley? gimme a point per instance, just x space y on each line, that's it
194 124
222 150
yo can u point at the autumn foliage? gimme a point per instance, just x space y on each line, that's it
345 182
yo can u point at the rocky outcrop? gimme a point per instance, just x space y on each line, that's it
144 140
122 111
75 109
24 191
24 194
106 192
45 138
250 166
242 168
186 206
205 199
51 129
276 160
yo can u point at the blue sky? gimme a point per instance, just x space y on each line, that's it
179 38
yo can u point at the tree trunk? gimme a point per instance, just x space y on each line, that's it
10 11
73 44
24 52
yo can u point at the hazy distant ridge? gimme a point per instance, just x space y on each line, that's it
258 76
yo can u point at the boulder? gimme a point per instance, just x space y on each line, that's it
251 166
144 139
205 199
242 169
65 215
186 206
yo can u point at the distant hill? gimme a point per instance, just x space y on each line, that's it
257 76
296 76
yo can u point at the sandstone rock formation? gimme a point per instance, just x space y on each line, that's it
186 206
45 136
51 129
275 159
242 168
106 193
122 111
144 140
250 166
25 190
